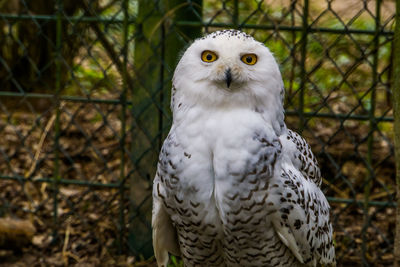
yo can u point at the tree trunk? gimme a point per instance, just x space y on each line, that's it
27 46
160 39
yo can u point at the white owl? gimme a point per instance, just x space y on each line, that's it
234 186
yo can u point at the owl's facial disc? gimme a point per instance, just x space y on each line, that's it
228 70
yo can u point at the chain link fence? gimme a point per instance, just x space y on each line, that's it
84 108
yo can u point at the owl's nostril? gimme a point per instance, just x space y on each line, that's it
228 77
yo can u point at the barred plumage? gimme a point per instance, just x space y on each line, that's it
234 186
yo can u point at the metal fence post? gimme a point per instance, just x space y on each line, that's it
396 107
303 74
125 7
372 127
235 18
57 130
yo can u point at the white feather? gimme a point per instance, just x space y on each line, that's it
288 239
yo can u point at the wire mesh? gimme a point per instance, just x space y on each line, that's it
84 100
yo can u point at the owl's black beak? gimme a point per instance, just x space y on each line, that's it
228 77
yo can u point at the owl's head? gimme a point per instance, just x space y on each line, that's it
228 68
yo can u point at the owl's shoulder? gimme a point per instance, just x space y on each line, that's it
301 156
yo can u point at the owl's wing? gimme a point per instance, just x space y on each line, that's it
165 238
301 156
300 216
164 234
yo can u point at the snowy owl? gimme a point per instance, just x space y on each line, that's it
234 186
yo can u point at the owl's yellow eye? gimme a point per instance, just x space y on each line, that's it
249 59
208 56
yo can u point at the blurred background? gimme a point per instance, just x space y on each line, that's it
84 108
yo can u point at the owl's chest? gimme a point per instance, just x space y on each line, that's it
213 177
206 150
210 167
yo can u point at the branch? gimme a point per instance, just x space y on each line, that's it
14 234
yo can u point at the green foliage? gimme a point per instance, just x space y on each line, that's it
175 262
